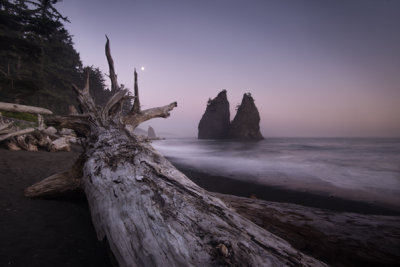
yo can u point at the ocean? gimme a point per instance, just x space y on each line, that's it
357 169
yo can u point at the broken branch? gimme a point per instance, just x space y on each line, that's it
160 112
113 76
136 103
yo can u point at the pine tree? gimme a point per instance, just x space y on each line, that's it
38 62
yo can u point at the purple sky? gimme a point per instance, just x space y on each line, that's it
315 68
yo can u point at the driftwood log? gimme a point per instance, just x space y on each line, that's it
7 128
30 138
6 135
337 238
22 108
148 212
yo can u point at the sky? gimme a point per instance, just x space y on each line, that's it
315 68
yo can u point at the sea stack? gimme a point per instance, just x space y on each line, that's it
151 133
216 119
246 124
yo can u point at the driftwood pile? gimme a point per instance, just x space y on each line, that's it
31 139
148 212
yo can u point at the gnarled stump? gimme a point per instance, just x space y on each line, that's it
149 212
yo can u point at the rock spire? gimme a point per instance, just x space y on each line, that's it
215 121
246 124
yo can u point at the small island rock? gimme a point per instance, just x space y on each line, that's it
151 133
215 121
246 124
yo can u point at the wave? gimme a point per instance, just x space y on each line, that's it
370 166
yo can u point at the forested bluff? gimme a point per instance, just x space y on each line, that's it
38 61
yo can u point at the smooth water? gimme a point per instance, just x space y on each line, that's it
356 167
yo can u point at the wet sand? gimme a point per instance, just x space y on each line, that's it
225 185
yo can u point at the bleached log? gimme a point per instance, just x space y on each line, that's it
23 108
51 133
5 126
74 140
28 139
20 141
328 235
11 145
9 130
20 132
26 142
58 184
40 122
60 144
151 214
42 139
35 138
66 131
31 143
50 130
79 123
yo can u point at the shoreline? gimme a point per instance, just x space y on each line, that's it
230 186
46 233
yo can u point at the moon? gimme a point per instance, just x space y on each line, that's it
142 68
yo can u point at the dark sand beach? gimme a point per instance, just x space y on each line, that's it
43 232
60 233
